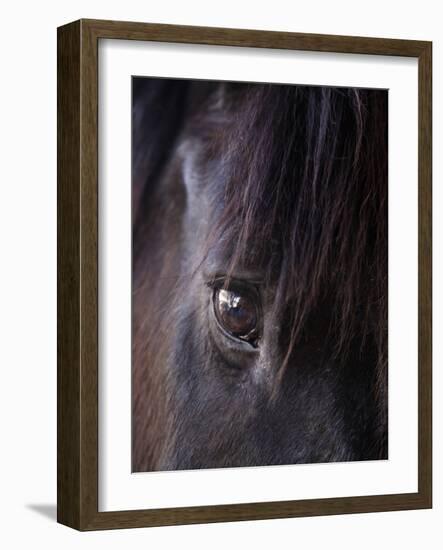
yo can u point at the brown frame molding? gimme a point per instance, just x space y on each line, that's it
77 410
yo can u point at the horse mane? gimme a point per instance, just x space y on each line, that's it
306 181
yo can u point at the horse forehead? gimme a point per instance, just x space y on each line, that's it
204 178
206 173
204 166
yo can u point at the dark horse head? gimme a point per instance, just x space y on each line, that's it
259 274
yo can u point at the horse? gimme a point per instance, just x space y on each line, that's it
259 274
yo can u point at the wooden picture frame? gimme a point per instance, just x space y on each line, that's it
77 455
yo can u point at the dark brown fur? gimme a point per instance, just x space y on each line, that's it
290 181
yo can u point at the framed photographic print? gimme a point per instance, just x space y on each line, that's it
244 275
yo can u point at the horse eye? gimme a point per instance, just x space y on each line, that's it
237 314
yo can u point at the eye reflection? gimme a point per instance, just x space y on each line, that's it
237 314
